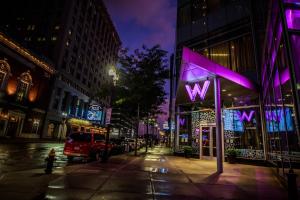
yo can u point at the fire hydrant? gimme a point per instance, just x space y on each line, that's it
50 160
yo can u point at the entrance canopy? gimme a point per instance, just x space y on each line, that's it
196 73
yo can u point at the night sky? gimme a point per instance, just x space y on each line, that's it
148 22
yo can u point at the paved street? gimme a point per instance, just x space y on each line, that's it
22 167
159 176
156 175
26 156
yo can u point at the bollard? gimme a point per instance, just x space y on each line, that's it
292 185
50 161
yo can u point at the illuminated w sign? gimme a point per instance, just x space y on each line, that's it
244 116
197 90
181 121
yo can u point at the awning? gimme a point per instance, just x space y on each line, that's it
195 74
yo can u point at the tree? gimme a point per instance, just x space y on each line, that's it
143 74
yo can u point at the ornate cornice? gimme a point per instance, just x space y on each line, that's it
26 53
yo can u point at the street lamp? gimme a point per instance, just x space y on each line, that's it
112 73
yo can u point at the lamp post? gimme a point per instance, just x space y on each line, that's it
113 74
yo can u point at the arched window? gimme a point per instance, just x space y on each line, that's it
24 84
4 73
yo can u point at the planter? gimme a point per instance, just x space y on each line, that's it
187 155
188 151
231 159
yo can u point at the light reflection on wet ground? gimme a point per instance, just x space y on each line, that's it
25 156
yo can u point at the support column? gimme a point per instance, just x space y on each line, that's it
176 138
217 92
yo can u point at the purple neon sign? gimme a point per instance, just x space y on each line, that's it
274 115
181 122
197 90
244 116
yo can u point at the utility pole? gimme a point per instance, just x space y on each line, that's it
137 129
147 133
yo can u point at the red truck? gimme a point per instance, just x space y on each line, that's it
87 145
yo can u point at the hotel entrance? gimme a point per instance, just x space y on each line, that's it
207 142
218 103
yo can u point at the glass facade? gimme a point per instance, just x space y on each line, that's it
280 79
263 126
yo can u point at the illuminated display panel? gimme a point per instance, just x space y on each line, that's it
278 121
94 113
232 121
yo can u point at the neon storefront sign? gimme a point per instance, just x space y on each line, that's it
197 90
181 122
244 116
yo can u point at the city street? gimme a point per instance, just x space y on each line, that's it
22 167
157 175
26 156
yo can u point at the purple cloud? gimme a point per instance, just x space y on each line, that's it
144 22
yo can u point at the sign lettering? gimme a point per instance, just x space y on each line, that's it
197 90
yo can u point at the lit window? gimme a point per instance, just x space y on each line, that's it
24 84
54 38
56 27
32 27
4 73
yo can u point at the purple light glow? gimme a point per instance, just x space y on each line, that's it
181 122
196 67
293 19
197 90
274 116
282 78
246 116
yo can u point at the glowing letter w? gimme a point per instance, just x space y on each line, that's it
245 116
197 90
181 121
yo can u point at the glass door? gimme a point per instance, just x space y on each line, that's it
208 141
205 141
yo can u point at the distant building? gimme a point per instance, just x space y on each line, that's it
79 38
25 81
123 125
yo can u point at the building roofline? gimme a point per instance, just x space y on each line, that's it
104 8
4 39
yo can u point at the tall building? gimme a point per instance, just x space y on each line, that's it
237 80
82 42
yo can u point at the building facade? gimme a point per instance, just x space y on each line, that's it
123 126
239 56
80 39
25 81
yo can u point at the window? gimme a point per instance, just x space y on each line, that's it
4 73
24 84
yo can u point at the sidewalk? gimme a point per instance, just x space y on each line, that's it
157 175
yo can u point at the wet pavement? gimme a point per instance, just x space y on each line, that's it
22 164
157 175
26 156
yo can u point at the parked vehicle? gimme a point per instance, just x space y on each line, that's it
87 145
118 146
